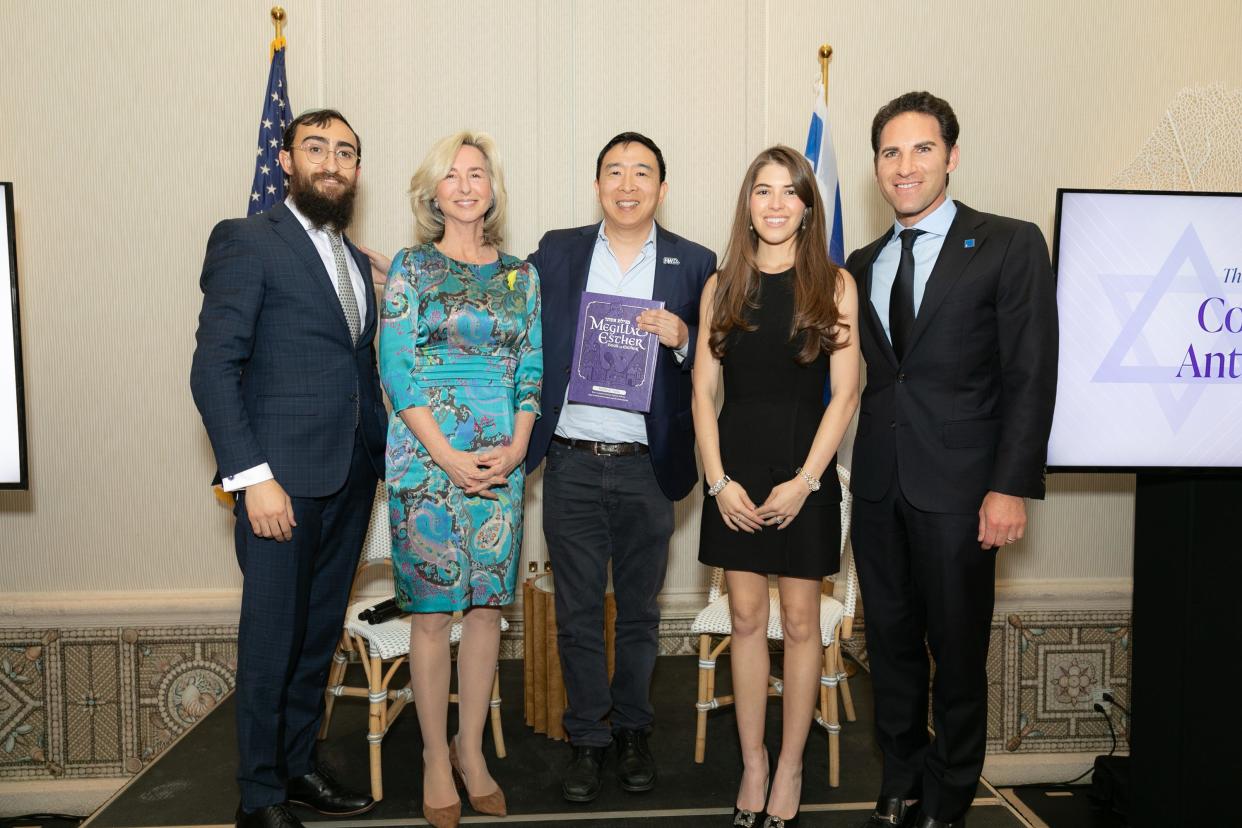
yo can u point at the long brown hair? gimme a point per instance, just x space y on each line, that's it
816 278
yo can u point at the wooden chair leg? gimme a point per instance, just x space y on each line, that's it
340 660
498 736
375 723
701 706
847 698
825 678
832 718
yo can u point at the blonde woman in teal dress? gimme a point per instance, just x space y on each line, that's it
461 360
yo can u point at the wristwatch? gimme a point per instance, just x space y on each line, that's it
811 482
718 487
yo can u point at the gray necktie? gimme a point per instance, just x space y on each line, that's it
345 287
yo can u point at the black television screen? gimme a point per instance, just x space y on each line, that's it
12 397
1149 293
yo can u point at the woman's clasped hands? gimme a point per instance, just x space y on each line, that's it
476 473
783 504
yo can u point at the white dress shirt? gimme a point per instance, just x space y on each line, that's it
926 250
580 421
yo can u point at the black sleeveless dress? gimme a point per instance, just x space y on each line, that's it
772 408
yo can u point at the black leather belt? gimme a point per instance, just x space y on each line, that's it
602 449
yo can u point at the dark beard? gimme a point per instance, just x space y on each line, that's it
321 210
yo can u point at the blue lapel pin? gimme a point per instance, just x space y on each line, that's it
968 243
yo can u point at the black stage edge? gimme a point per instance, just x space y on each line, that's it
1187 552
192 783
1065 807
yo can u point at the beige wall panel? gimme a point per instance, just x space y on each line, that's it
1054 93
126 128
125 133
408 74
1083 530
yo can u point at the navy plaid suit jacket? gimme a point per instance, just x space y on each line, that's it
275 376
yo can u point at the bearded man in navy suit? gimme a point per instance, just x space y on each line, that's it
284 376
611 476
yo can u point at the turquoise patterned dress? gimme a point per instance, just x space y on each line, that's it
465 341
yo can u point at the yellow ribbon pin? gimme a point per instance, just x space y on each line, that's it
511 278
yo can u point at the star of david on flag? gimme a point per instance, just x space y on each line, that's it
268 188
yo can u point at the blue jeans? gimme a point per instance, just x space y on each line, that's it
596 509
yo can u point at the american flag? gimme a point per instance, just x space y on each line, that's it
268 188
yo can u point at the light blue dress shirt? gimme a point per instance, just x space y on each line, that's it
594 422
926 250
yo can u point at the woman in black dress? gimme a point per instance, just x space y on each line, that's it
780 318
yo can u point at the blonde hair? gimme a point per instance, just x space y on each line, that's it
428 220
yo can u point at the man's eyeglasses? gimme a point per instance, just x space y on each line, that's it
317 153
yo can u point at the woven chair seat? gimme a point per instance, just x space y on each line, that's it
392 638
715 619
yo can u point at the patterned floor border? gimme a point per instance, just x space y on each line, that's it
103 702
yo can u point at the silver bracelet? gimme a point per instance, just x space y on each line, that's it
718 487
811 482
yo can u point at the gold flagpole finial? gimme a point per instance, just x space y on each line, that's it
278 20
825 57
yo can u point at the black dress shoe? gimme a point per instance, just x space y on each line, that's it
273 816
743 818
319 791
635 765
890 812
581 780
781 822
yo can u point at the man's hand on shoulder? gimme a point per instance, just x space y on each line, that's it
380 265
270 511
1002 520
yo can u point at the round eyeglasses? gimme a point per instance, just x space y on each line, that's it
317 153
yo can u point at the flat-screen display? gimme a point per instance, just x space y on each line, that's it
12 392
1149 292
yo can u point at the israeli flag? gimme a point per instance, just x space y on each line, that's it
824 161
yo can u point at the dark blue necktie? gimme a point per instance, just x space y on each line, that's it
901 300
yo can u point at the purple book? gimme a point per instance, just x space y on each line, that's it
614 362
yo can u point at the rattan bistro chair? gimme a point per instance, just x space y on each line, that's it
836 614
382 648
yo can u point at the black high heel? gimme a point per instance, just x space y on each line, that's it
744 818
771 821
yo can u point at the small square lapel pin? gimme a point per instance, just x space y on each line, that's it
968 243
672 260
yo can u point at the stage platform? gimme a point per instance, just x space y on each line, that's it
192 783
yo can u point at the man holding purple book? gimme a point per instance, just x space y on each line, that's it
612 475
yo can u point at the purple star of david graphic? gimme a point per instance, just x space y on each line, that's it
1158 377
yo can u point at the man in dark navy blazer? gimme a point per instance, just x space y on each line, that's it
959 332
284 376
611 476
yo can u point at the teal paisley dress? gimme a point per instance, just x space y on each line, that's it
465 341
